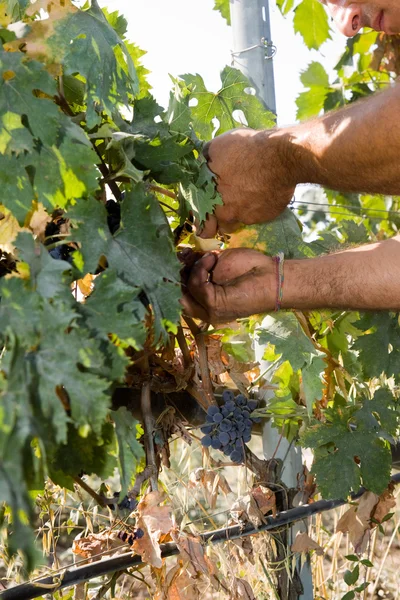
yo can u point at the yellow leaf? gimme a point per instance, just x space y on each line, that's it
9 229
38 221
86 284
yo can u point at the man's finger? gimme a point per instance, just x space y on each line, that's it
209 228
200 273
191 308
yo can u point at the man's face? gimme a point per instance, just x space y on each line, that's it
351 15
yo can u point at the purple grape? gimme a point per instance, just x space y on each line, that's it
252 405
228 395
233 434
246 437
225 411
212 410
226 425
230 405
216 444
241 400
209 419
206 441
256 419
239 444
217 417
224 438
248 423
245 414
236 456
206 429
241 427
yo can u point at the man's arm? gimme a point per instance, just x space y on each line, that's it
356 148
364 278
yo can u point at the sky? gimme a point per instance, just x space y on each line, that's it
188 36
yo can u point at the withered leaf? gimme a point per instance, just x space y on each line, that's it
98 544
154 520
210 482
356 521
303 543
385 503
253 506
242 590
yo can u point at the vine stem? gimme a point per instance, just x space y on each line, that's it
99 499
160 190
148 423
180 338
203 361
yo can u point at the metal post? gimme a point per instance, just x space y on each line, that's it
253 50
253 53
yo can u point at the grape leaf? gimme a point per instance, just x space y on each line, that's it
379 349
313 384
221 106
130 451
223 7
200 198
112 307
141 251
286 335
311 21
345 458
283 234
311 102
100 56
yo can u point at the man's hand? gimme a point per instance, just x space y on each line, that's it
252 176
235 283
241 282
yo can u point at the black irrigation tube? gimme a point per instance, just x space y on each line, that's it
73 576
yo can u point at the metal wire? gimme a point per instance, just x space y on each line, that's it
264 44
349 207
73 576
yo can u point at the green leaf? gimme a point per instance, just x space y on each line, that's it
313 384
223 7
283 234
352 557
130 451
379 347
350 577
141 251
200 198
285 6
113 307
100 56
349 596
284 332
312 102
234 95
311 21
345 459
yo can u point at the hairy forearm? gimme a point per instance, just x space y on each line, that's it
364 278
355 149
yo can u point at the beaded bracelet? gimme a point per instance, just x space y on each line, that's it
279 259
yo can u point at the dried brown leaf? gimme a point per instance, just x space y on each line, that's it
154 520
385 503
253 506
38 222
178 585
211 482
303 543
194 557
98 544
265 498
356 521
86 284
242 590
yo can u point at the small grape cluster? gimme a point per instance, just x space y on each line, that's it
228 428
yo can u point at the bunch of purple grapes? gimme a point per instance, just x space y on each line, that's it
228 428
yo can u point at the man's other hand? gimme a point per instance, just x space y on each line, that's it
229 285
252 176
